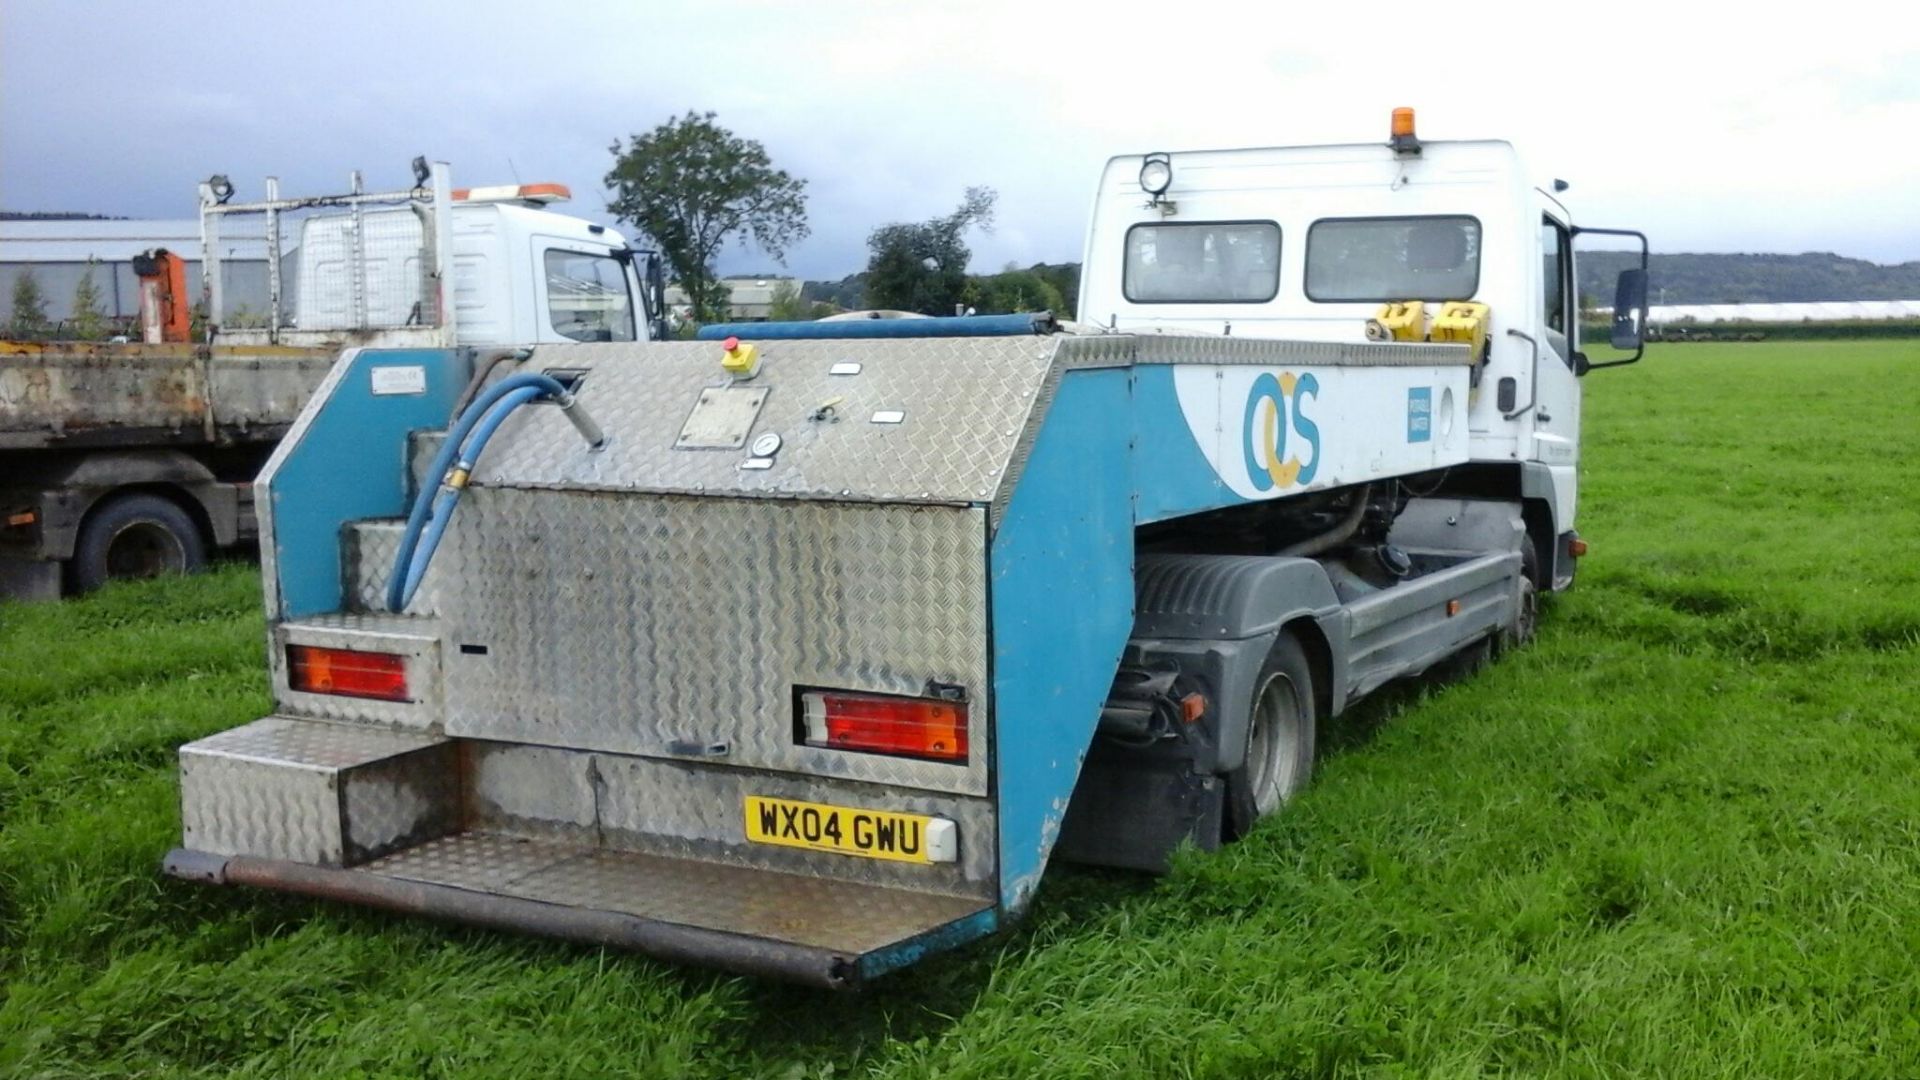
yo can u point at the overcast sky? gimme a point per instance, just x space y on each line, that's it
1732 130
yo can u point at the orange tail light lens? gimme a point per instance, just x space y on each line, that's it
928 728
347 673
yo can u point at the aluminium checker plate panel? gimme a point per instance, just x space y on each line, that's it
694 811
846 916
667 626
316 792
965 403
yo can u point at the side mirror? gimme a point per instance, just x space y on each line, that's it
1616 336
1630 310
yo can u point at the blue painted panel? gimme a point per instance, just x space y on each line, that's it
914 949
1419 414
1062 582
1171 473
350 465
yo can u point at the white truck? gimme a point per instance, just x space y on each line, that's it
129 459
801 649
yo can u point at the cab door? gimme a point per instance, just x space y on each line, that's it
1556 392
582 292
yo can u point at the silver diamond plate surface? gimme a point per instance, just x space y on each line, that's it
314 792
414 637
661 625
1267 352
281 740
839 915
400 801
370 548
695 811
241 806
965 400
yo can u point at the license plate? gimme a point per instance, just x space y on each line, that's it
847 830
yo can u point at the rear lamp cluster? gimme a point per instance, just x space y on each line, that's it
347 673
932 729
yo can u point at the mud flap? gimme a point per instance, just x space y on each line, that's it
1132 809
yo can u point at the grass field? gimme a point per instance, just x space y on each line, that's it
1678 836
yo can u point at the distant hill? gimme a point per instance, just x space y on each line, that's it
54 215
1686 278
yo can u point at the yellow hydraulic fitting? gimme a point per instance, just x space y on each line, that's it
1399 320
740 360
1464 322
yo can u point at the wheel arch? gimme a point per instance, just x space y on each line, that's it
84 485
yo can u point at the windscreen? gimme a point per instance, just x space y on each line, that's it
1203 262
1402 258
587 297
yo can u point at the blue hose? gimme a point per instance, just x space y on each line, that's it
428 503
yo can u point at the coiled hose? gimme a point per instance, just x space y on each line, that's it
433 507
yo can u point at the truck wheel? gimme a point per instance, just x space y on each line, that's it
1523 627
135 536
1280 734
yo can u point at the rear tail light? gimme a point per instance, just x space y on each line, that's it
929 728
347 673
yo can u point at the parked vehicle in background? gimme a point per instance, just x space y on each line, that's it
124 459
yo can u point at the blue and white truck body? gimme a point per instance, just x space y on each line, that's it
803 655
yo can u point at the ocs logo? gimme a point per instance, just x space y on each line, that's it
1278 431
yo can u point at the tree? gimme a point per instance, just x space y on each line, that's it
89 322
1014 290
690 186
923 267
29 307
787 305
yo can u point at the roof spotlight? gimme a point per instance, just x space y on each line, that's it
221 187
1156 174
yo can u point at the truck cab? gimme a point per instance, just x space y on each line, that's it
522 274
128 460
1308 243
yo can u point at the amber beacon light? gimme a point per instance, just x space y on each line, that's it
1404 142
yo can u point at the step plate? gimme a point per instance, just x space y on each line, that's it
836 916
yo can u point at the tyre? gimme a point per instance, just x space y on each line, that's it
135 536
1280 735
1528 621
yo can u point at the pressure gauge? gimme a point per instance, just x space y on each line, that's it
767 445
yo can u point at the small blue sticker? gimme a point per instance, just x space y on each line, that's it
1420 414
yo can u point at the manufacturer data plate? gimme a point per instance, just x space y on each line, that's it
722 418
403 379
846 830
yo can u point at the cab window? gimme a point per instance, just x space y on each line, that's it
587 298
1373 260
1555 286
1202 262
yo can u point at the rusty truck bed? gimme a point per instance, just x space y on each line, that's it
74 395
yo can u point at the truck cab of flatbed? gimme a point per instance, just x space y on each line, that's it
127 459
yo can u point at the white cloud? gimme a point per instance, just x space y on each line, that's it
1712 133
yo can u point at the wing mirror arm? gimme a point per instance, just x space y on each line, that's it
1629 332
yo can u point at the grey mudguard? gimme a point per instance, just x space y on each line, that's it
1218 616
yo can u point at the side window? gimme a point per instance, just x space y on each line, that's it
1555 298
587 298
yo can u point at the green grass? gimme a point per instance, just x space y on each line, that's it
1678 836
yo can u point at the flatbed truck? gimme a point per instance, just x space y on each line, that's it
128 459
